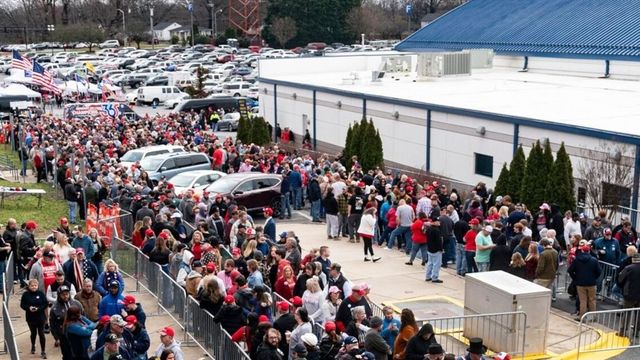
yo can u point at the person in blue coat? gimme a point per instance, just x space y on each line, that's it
83 241
113 302
78 331
108 276
111 347
269 228
390 327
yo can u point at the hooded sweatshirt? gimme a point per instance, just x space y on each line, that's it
417 346
174 347
185 267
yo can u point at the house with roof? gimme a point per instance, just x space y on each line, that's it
459 96
162 31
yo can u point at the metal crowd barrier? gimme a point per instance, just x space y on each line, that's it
499 331
172 297
607 281
8 276
10 345
624 322
202 329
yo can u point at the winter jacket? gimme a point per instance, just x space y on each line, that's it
230 317
500 258
629 279
331 205
402 340
417 346
547 264
313 190
99 354
110 305
608 250
267 352
91 272
584 270
374 343
102 284
85 243
79 335
418 236
434 239
36 299
138 312
58 313
90 303
367 225
244 299
140 344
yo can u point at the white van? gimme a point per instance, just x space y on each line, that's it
156 94
132 156
237 88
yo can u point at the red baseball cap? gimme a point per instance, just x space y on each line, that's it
282 306
263 319
131 320
211 267
168 331
474 221
229 299
296 301
129 299
329 326
149 233
31 225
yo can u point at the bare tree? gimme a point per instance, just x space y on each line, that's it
284 29
607 175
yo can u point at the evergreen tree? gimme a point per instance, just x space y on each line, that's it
535 178
559 189
259 131
244 130
356 144
548 157
516 174
502 185
348 144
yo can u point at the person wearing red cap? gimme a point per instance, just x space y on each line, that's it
269 227
64 227
167 342
231 316
133 308
28 249
585 272
141 341
470 245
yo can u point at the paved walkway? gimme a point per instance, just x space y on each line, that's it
393 281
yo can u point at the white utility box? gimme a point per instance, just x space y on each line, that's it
500 292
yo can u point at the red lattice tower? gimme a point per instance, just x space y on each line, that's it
244 15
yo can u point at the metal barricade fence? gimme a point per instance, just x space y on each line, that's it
8 276
201 328
376 310
171 297
148 274
10 345
596 328
605 287
125 255
499 331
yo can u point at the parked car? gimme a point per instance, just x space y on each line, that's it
229 122
132 156
157 94
158 80
109 44
170 165
253 190
198 179
172 103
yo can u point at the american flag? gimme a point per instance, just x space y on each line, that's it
43 78
19 62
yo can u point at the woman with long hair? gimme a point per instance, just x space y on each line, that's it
62 248
99 248
312 300
518 266
408 328
196 244
160 253
137 238
331 341
286 283
210 297
263 302
331 304
301 281
78 329
531 261
523 246
251 247
34 302
366 230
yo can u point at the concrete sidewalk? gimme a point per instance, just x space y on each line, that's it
393 281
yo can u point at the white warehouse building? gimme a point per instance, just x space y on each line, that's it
465 127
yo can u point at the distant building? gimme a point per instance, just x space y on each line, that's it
162 31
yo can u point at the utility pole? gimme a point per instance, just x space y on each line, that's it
124 27
190 8
212 5
153 42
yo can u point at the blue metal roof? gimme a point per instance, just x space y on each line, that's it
593 29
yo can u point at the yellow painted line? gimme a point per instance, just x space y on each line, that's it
594 351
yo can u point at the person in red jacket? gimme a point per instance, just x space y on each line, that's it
470 245
418 238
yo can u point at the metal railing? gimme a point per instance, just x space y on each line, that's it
499 332
7 278
10 345
172 297
596 331
606 282
202 329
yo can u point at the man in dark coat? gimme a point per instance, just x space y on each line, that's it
418 346
629 279
268 349
585 271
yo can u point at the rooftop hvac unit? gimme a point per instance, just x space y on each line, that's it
481 58
444 64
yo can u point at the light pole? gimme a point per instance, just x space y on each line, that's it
153 42
215 21
124 27
190 8
50 29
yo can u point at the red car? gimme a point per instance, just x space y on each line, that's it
255 48
252 189
225 58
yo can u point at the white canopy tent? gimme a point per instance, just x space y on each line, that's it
17 90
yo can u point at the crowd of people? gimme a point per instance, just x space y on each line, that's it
475 231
